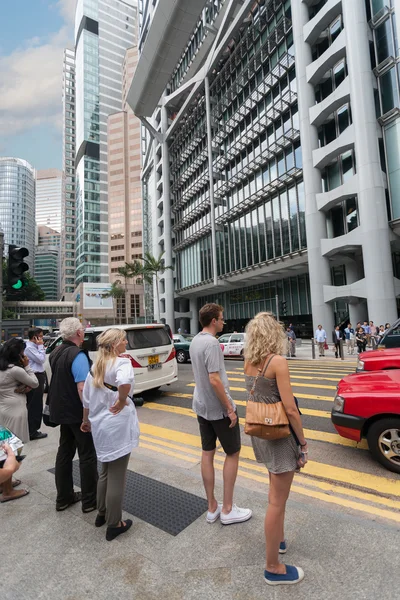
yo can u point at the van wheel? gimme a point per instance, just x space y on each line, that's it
181 356
242 354
384 443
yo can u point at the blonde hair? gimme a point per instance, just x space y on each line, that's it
106 342
264 336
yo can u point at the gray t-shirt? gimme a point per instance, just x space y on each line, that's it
206 357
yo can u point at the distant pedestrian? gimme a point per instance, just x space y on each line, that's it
291 326
361 340
367 331
36 353
350 338
70 366
216 415
111 417
291 342
373 334
381 332
320 338
387 326
268 379
336 337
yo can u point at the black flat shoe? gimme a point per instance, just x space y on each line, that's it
100 521
113 532
38 436
77 497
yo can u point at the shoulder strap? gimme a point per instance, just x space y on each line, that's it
113 388
266 364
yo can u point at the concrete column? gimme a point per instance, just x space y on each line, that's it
211 178
371 194
154 227
168 274
318 266
194 317
357 312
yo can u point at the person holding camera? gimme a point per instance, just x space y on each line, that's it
16 378
36 354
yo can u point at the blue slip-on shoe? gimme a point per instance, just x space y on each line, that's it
283 547
292 575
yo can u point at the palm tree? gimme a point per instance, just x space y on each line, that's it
125 273
152 268
134 270
116 293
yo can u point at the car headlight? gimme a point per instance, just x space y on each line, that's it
360 365
338 404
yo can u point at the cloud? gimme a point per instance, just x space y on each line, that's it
67 10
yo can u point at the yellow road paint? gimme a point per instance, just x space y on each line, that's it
308 397
307 385
311 397
305 411
295 376
381 485
311 434
325 495
170 434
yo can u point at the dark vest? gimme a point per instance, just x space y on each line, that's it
64 402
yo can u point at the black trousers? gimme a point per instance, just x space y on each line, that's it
72 439
34 401
337 349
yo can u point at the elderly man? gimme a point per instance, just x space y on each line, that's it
70 366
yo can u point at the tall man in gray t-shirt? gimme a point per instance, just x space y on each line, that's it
216 414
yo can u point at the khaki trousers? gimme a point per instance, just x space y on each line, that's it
111 488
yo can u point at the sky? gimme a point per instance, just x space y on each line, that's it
33 35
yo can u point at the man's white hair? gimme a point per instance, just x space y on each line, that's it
69 327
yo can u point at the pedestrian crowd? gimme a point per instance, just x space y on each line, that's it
92 404
363 336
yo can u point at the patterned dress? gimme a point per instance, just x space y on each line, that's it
279 456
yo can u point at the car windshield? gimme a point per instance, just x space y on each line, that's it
188 338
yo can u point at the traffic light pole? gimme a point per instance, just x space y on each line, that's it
277 307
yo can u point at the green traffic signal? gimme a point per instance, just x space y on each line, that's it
18 285
16 267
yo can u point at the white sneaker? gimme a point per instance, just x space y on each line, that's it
237 515
213 516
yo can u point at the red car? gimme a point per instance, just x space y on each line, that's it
375 360
367 405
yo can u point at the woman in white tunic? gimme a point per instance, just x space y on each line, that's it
111 417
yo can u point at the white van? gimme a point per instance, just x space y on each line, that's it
232 344
150 346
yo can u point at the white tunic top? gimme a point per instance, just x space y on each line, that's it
113 435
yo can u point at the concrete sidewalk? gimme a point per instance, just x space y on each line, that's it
62 556
304 352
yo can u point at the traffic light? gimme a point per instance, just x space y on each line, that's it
283 308
16 267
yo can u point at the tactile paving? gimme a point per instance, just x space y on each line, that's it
164 506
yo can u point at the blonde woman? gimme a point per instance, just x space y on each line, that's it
111 417
265 342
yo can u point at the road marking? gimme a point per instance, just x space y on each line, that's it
307 385
325 496
310 397
295 376
311 434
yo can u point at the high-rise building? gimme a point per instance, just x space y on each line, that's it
125 193
271 161
103 32
17 205
47 261
49 189
68 233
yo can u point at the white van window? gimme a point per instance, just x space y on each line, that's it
147 338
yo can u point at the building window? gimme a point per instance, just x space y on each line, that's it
135 305
389 89
344 217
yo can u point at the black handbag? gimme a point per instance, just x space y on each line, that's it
46 414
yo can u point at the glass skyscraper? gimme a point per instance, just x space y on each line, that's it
17 205
103 32
272 159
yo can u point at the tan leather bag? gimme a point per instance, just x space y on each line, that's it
265 421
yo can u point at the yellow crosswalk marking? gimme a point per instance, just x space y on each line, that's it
307 385
308 397
368 482
382 485
311 434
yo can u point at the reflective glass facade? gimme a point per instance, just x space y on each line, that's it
17 205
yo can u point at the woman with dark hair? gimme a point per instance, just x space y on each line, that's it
16 378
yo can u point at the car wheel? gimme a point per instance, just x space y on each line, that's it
181 356
384 443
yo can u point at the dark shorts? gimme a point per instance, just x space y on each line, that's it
210 431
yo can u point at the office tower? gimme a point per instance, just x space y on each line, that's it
47 261
125 193
17 205
271 158
49 189
103 32
68 233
